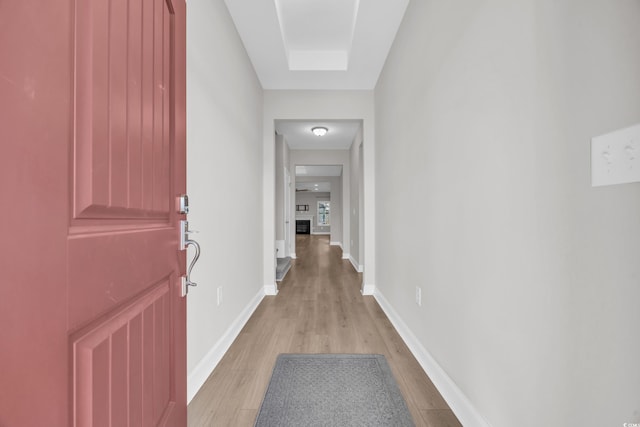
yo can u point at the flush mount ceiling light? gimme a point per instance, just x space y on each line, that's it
319 131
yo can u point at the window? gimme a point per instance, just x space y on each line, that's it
323 213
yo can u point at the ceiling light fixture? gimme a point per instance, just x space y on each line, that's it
319 131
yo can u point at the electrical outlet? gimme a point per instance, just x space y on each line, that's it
419 296
219 295
615 157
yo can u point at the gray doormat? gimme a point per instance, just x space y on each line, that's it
332 390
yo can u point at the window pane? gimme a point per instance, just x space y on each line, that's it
323 213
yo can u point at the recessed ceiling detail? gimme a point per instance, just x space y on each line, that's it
317 44
317 34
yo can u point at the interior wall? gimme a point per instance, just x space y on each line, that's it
279 206
529 275
334 197
312 198
224 138
352 243
318 104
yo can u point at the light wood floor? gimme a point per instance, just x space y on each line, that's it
319 309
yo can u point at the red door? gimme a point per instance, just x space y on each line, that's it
92 118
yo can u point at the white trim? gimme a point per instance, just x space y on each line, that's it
320 233
271 289
293 255
305 218
205 367
336 244
345 255
368 289
358 267
464 410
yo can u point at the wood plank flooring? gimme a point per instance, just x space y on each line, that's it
319 309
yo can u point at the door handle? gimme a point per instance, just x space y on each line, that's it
187 281
185 242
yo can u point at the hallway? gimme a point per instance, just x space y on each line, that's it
319 310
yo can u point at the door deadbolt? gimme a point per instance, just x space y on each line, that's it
183 204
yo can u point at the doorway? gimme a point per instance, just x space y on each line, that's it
296 107
321 177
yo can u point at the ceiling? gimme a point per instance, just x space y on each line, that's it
297 133
315 186
329 170
317 44
306 174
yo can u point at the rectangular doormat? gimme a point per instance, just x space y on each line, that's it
332 390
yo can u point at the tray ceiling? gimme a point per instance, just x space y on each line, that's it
317 44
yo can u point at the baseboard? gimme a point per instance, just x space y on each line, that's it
293 255
199 375
357 266
320 233
467 414
368 289
271 289
336 244
345 255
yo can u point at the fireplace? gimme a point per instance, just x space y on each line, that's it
303 226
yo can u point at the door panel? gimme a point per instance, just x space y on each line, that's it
109 267
111 383
36 69
123 109
92 108
124 291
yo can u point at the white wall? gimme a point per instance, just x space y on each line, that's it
312 198
530 277
353 241
281 152
224 138
321 105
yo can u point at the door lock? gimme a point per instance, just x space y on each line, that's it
183 204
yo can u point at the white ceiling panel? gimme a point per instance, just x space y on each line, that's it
314 170
314 187
317 44
317 24
317 34
297 133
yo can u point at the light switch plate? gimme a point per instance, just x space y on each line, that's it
615 157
